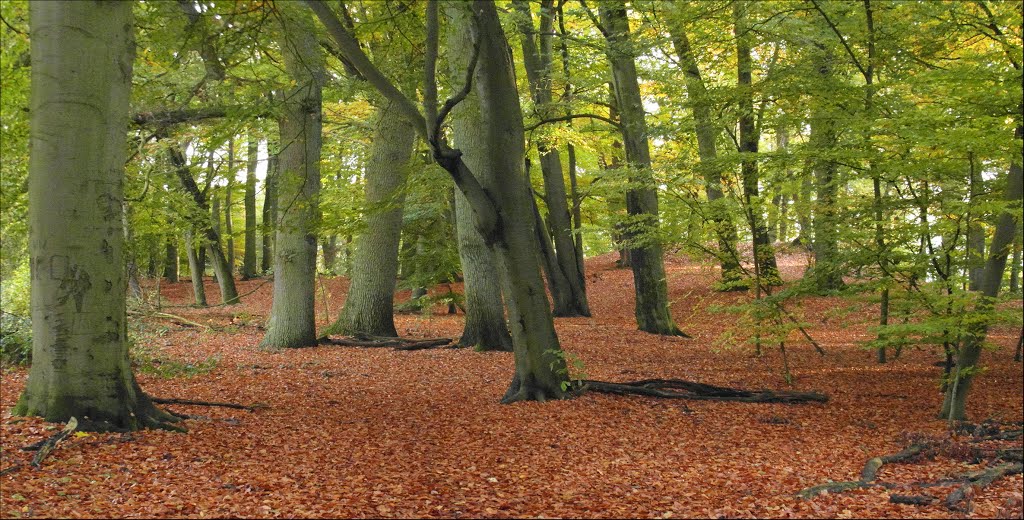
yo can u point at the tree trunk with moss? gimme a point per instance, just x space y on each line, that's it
81 79
826 275
249 257
369 306
292 320
645 252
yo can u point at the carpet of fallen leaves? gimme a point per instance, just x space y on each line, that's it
353 432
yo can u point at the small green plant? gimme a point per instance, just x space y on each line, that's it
572 369
15 339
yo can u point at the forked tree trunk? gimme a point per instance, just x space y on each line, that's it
539 370
566 279
645 252
292 320
81 79
369 306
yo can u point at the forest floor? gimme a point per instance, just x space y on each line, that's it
353 432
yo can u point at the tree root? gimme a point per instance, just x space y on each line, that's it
968 482
366 341
189 402
680 389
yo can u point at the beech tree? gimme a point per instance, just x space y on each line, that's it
81 79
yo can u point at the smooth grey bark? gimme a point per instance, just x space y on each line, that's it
954 405
566 279
225 280
975 231
497 196
645 252
249 257
749 136
269 211
81 79
369 306
826 275
1015 265
228 228
171 259
711 171
292 320
196 266
215 218
497 162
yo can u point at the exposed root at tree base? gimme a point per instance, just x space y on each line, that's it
680 389
189 402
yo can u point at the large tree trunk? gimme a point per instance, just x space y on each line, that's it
292 315
650 285
369 307
81 80
567 281
749 137
196 266
954 405
826 275
725 230
496 158
975 231
249 257
269 210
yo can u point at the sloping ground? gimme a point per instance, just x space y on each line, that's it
355 432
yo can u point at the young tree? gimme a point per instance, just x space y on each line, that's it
81 79
292 320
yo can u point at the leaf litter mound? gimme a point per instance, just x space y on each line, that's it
352 432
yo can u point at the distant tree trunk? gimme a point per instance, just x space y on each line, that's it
570 150
651 287
196 266
228 231
749 135
826 274
269 211
567 280
369 306
1015 267
171 259
228 292
249 258
725 230
954 405
975 231
81 79
329 247
804 208
292 315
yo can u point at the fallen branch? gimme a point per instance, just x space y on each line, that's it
173 317
47 447
914 500
366 341
680 389
11 469
871 467
981 480
189 402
